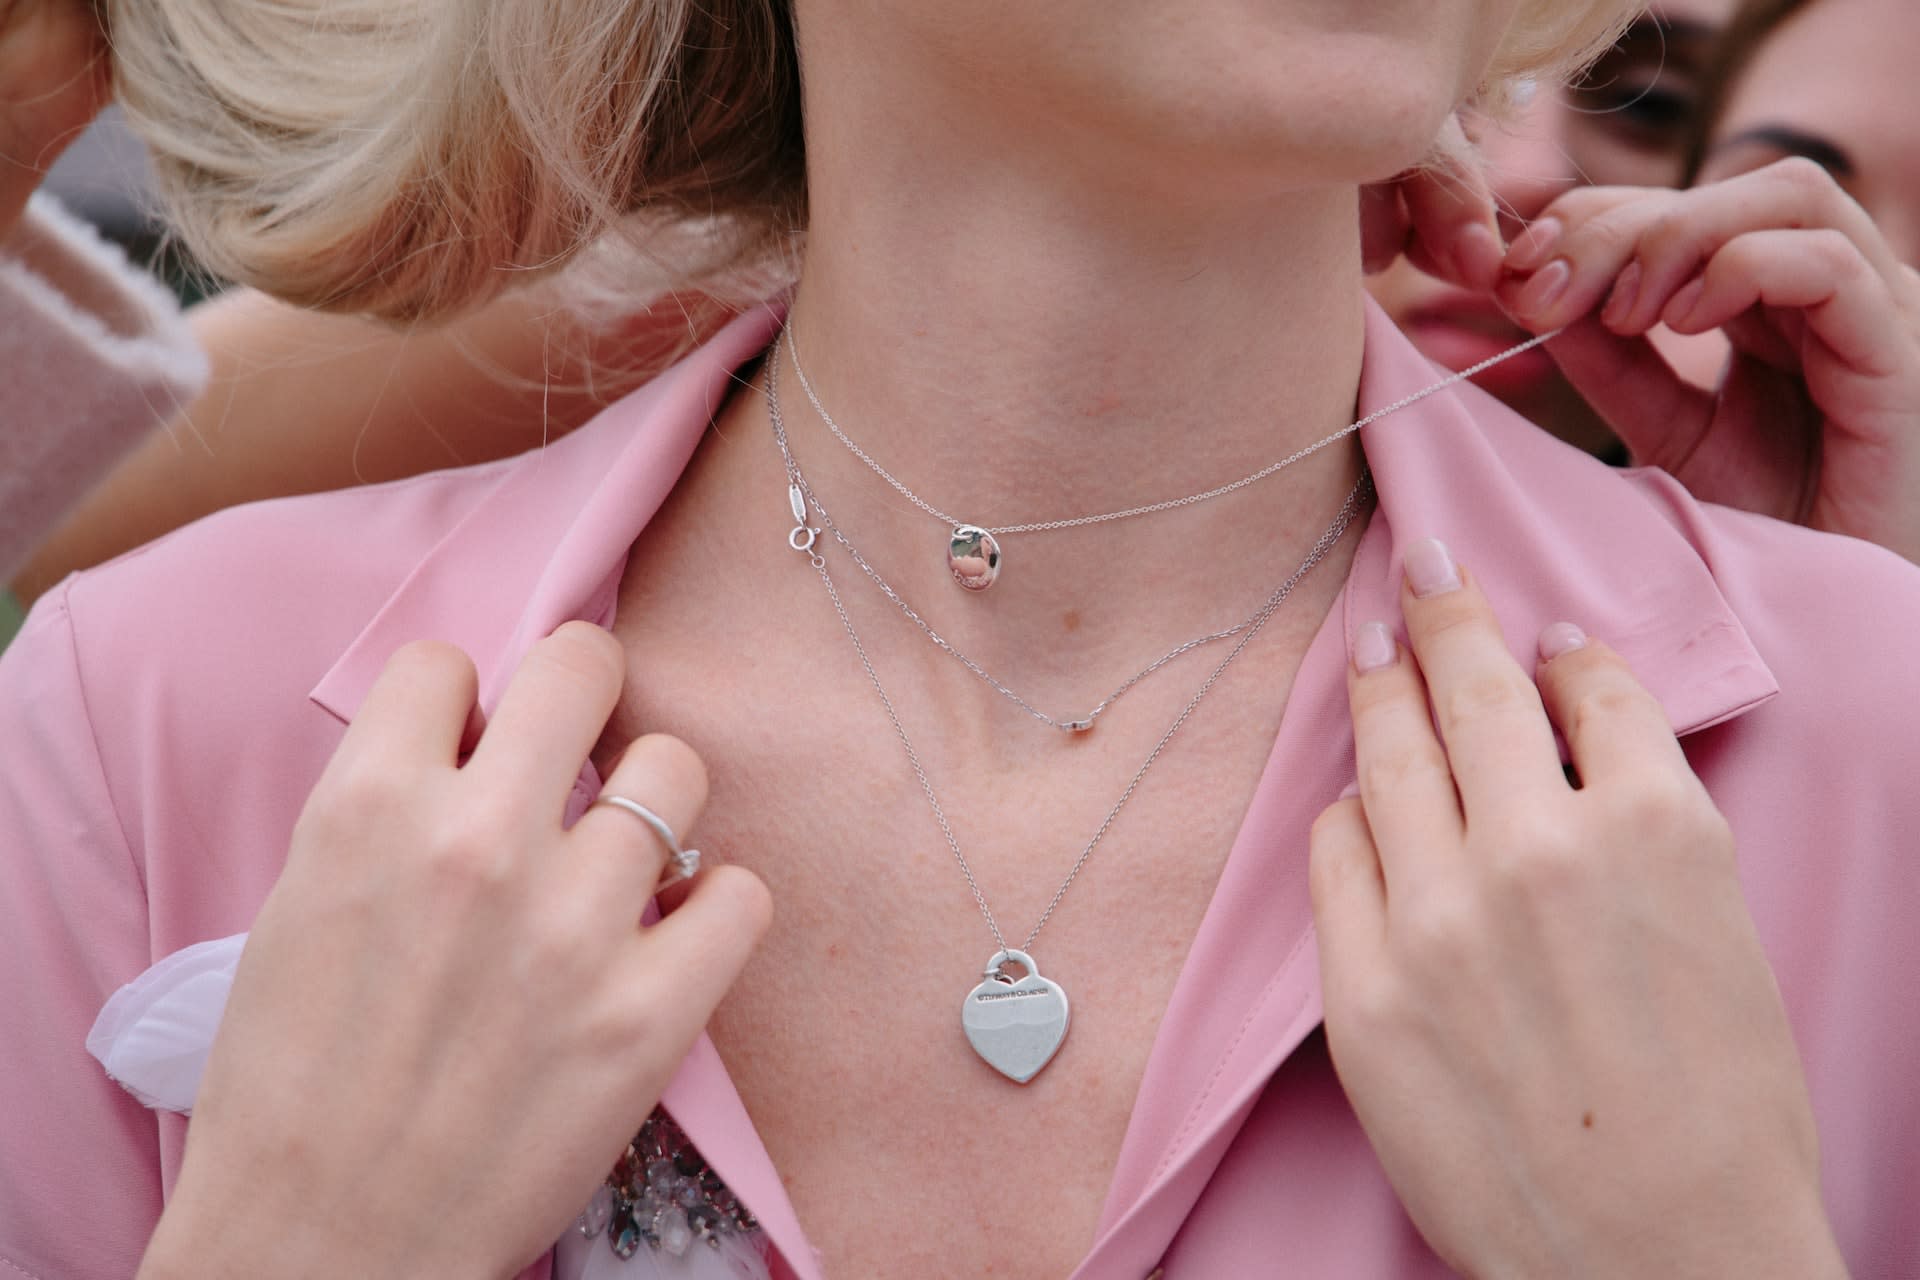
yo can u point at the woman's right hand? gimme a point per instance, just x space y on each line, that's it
1816 415
54 78
448 1022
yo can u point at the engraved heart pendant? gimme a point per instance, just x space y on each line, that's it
1016 1027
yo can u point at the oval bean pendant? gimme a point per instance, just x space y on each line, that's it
973 555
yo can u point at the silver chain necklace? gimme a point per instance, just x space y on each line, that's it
973 549
804 496
1017 1025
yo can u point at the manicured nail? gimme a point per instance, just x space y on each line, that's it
1626 292
1476 254
1682 305
1541 292
1430 569
1560 637
1373 647
1534 245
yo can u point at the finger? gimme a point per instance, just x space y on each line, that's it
1821 273
1659 415
1349 896
550 717
1455 230
1406 786
1617 733
416 712
1789 195
1495 731
1384 226
1633 252
625 857
685 964
1538 269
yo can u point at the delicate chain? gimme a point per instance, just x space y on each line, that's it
1042 526
1355 501
827 523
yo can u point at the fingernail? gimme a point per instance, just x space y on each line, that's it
1476 254
1682 305
1626 292
1560 637
1373 647
1430 569
1541 292
1534 245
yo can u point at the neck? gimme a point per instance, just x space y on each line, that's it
1019 347
1027 350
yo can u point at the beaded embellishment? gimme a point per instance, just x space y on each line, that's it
663 1194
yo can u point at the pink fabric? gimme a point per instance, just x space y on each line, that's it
93 355
167 714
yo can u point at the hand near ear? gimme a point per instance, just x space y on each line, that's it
1815 417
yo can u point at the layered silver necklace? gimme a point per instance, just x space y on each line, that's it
1016 1025
974 553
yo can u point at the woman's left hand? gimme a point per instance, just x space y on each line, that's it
1548 1003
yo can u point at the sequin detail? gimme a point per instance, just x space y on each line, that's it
663 1194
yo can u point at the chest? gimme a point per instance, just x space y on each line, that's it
902 1152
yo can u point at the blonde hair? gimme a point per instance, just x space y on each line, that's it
411 158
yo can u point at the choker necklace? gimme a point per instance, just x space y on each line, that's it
973 549
1016 1025
802 496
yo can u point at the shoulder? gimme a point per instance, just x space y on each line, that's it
266 590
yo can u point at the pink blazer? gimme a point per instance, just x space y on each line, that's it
164 717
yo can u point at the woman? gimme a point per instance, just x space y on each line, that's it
1806 79
1017 319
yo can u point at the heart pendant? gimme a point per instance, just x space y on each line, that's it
1015 1027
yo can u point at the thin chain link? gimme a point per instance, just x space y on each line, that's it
1043 526
1080 724
1355 501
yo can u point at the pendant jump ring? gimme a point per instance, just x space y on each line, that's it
1014 954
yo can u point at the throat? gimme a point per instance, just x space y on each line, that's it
845 1035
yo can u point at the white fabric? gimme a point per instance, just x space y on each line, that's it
155 1033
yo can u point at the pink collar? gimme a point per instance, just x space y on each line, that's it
1554 536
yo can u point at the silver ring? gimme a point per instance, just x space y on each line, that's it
686 862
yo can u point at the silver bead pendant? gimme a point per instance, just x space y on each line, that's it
973 556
